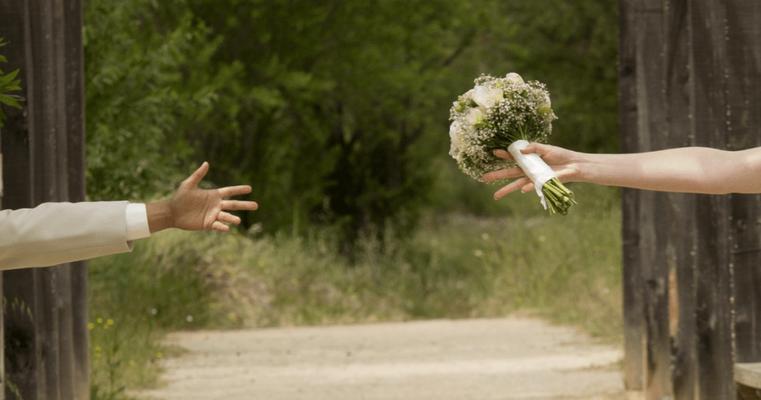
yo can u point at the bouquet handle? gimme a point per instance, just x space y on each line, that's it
533 166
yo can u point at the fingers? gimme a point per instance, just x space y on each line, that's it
228 218
238 205
217 226
507 173
503 154
194 179
231 191
568 174
525 184
563 175
511 187
537 148
224 220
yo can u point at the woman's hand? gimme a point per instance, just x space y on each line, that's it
564 162
195 209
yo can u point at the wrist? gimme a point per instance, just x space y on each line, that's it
159 216
584 167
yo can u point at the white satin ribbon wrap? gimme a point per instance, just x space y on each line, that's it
533 166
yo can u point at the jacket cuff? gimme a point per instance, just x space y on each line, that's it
137 221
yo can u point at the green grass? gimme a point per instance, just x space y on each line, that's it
565 269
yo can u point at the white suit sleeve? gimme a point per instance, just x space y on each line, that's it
56 233
137 221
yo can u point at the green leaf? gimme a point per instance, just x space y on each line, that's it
11 101
6 79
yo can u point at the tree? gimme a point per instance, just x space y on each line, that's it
334 110
149 85
344 98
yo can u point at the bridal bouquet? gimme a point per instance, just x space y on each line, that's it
507 113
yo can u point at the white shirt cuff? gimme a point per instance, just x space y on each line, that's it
137 222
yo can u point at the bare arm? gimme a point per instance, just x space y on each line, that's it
688 170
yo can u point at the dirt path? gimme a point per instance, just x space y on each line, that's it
482 359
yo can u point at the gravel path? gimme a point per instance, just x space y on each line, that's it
480 359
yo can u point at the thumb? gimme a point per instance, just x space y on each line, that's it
194 179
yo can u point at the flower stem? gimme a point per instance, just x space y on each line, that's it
559 197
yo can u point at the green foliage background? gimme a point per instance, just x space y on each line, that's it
335 111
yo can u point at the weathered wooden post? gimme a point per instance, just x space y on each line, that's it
45 319
690 76
2 334
633 303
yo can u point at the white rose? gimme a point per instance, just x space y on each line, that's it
474 116
454 130
486 96
514 78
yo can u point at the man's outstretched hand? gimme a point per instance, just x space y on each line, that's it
194 209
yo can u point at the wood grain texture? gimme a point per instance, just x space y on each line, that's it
743 119
652 222
46 321
633 302
679 236
697 68
713 312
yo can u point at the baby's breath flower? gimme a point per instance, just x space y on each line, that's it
494 114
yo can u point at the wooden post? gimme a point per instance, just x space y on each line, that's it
2 331
46 321
695 258
743 121
679 230
709 100
650 35
633 302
